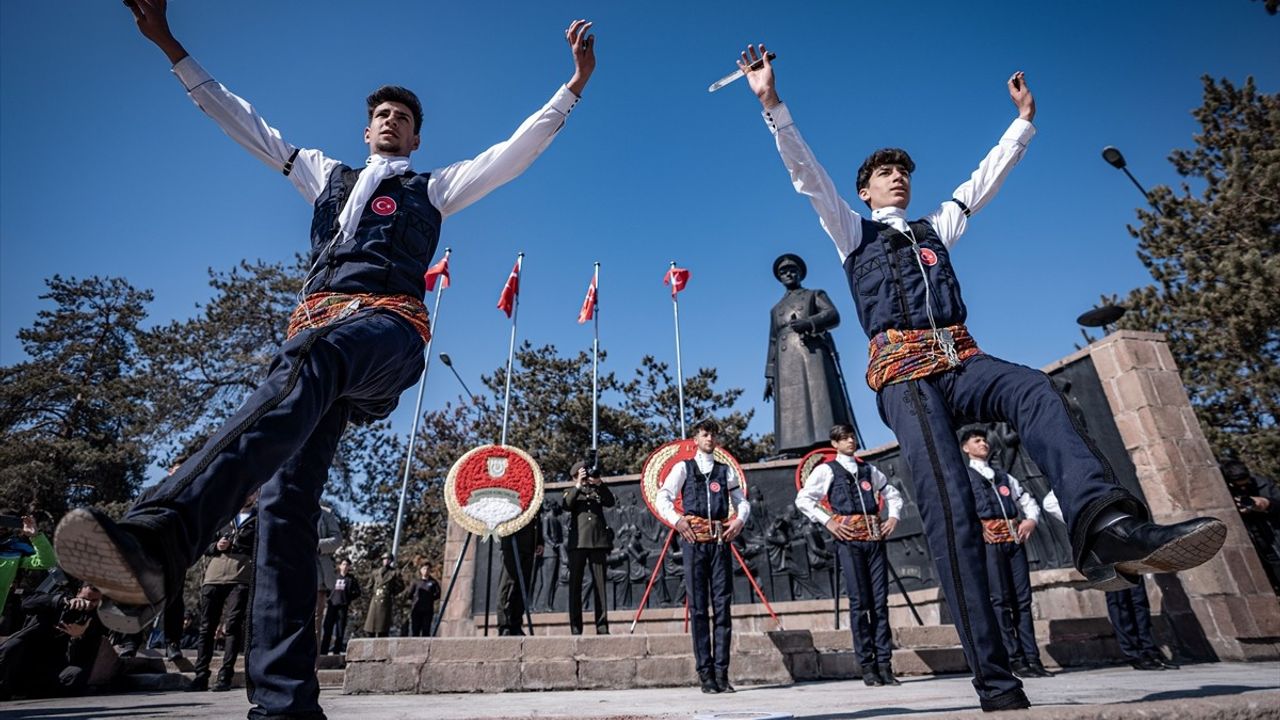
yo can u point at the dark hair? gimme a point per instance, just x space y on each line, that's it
969 431
884 156
708 425
840 431
397 94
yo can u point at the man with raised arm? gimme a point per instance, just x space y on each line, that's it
355 343
926 370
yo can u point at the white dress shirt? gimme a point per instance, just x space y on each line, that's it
809 499
845 226
450 188
1030 510
1052 507
674 482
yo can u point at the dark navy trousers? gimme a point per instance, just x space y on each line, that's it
1009 579
708 582
924 414
282 441
1130 613
866 578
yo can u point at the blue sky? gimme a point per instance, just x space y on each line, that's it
107 168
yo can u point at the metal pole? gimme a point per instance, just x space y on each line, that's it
747 571
837 588
524 593
488 589
595 371
652 577
901 589
511 349
675 311
417 413
449 591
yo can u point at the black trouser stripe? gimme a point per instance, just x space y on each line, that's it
957 585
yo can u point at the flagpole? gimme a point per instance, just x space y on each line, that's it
595 370
511 349
675 311
417 413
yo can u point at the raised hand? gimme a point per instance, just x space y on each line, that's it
1021 96
758 68
584 54
153 22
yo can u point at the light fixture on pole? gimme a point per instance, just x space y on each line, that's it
448 362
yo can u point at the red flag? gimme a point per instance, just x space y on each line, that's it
588 304
439 270
507 301
677 278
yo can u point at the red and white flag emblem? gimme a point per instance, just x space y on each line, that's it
928 257
677 278
438 271
383 205
1004 490
715 487
588 310
507 300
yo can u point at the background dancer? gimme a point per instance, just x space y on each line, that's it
926 369
853 489
355 344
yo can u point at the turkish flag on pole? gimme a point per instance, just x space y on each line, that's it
507 301
439 270
588 304
677 278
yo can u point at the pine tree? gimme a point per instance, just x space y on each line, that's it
1215 258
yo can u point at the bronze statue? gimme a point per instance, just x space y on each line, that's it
802 374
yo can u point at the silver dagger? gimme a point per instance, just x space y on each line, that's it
738 73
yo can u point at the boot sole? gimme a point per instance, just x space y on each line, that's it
86 551
1184 553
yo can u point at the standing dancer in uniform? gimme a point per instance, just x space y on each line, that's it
707 489
355 344
853 489
926 370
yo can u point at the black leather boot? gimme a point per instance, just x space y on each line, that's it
708 683
1129 547
886 675
722 681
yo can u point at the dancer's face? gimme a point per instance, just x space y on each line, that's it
846 445
889 185
705 441
390 130
976 447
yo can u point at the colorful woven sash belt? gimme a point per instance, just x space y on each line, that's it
321 309
899 355
704 530
998 530
865 527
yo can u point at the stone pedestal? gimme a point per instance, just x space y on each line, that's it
1224 609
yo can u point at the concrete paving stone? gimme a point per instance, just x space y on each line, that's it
552 647
668 644
838 665
549 675
480 649
610 647
803 665
1218 691
462 677
922 636
927 661
612 674
757 668
378 677
665 671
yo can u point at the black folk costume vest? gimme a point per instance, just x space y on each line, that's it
706 496
850 495
993 498
887 286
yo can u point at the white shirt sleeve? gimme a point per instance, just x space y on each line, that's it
453 188
840 222
809 499
950 220
737 498
309 169
1030 510
1051 505
665 500
892 498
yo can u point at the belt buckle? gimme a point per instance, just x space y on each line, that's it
948 344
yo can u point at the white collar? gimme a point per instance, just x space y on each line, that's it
890 215
979 464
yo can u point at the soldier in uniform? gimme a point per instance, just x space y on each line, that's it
384 587
1000 501
589 541
854 490
714 512
802 373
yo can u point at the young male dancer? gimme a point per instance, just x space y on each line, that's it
926 369
1008 515
707 490
355 343
853 489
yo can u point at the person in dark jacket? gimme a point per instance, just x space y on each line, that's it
385 586
590 541
528 541
54 652
423 594
346 590
224 595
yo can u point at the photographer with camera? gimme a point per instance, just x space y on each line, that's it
1258 500
54 652
590 541
225 595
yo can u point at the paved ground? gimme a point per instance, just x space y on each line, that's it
1223 690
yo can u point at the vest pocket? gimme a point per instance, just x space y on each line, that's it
868 277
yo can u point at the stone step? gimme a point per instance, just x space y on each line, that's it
167 681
